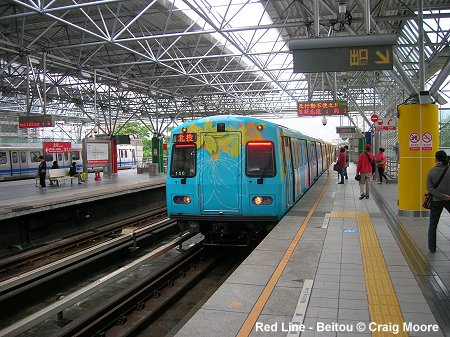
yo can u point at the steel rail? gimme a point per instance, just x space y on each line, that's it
79 239
7 286
57 307
144 301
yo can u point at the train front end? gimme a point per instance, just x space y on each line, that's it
222 178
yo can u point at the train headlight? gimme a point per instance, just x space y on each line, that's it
182 199
262 200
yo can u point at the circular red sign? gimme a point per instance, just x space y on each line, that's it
374 118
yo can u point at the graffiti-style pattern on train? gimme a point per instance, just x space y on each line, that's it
22 160
232 177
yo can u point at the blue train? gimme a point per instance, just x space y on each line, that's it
233 177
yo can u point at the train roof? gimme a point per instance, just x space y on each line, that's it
240 119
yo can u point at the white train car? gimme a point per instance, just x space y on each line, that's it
22 160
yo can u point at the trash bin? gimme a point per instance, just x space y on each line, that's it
153 169
106 172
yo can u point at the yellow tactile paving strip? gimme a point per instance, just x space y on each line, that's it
384 308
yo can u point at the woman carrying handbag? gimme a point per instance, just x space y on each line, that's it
438 184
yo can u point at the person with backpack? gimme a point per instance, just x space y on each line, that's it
365 168
438 184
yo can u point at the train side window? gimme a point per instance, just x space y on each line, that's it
260 159
23 157
15 157
75 155
183 163
66 156
3 158
34 156
59 156
48 157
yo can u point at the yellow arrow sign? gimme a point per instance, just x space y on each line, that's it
384 58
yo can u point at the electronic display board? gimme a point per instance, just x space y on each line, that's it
38 121
185 138
322 108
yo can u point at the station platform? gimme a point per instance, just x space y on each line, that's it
23 197
337 266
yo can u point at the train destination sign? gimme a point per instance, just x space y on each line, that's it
38 121
343 53
322 108
185 138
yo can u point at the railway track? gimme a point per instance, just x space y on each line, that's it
63 304
132 310
52 251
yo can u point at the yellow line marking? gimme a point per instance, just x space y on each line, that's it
384 308
249 323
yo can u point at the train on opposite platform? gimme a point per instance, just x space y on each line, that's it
19 161
232 178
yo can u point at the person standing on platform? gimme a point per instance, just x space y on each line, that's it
381 163
364 168
73 172
42 170
347 162
341 162
438 184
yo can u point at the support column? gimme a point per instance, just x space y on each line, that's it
418 137
157 152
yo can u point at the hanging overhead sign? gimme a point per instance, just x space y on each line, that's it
384 124
345 129
322 108
343 53
57 147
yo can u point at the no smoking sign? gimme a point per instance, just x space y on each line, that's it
427 141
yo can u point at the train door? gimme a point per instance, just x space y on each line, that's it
319 158
312 160
304 167
220 173
289 177
16 165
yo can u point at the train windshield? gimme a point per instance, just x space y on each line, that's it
183 161
260 159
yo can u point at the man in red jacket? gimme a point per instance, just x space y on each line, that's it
364 168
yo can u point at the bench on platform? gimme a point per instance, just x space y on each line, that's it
57 175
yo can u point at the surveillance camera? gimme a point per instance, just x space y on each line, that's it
324 121
95 131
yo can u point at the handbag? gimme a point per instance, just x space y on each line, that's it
336 167
428 197
358 177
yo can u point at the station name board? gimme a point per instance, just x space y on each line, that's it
38 121
322 108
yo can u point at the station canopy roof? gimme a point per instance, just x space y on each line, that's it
108 62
